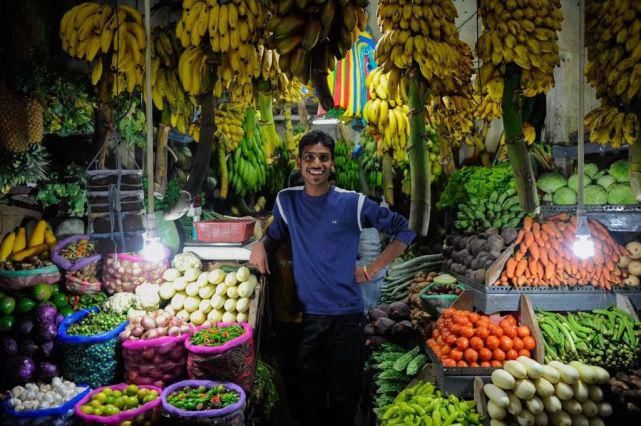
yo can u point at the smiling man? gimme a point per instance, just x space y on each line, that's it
324 223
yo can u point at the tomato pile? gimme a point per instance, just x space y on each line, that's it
468 339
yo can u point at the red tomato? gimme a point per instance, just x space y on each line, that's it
496 364
525 352
451 340
471 355
456 355
448 362
462 343
431 343
445 350
505 343
435 333
529 343
492 342
456 329
485 354
504 323
512 354
510 331
482 332
485 364
517 343
498 332
523 331
467 332
474 364
474 317
498 354
461 320
510 319
449 312
461 364
476 343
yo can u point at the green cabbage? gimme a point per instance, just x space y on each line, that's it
550 182
564 196
573 181
590 169
621 193
619 171
595 195
606 181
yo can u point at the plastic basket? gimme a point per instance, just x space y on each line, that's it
72 266
226 415
61 415
224 231
76 285
434 304
145 413
17 280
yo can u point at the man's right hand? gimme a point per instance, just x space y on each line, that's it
258 258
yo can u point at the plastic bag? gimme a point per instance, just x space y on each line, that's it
68 265
435 304
155 361
76 285
232 362
17 280
93 360
125 272
57 416
232 415
146 413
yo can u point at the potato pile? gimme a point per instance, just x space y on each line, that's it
198 296
632 264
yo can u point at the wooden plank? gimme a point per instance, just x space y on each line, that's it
494 271
479 397
528 317
623 303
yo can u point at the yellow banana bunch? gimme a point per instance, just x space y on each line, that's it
520 32
193 70
613 39
311 35
387 116
229 126
529 134
91 30
166 89
608 125
231 29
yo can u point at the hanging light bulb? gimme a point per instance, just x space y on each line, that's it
583 246
153 250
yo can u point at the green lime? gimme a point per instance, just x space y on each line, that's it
116 394
100 396
131 390
7 305
95 403
66 311
107 390
110 410
55 289
142 392
6 323
149 398
25 305
59 300
98 411
110 399
121 402
87 409
42 292
132 402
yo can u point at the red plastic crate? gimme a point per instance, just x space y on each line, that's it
224 231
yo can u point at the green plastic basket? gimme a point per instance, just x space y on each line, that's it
17 280
435 304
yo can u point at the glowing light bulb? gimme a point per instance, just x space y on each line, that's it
153 251
583 247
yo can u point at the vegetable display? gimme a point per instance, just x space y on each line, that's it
631 264
472 255
422 404
391 368
544 257
19 251
421 320
499 211
476 182
467 339
96 323
108 402
605 337
42 396
217 335
401 274
152 325
214 296
200 398
124 272
529 393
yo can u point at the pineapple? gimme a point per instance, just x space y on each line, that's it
14 136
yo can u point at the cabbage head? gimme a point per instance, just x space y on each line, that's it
621 193
590 169
573 181
550 182
595 195
564 196
606 181
619 171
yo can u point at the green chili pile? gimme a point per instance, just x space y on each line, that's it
200 398
217 336
96 323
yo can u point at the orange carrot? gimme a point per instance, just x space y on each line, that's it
520 267
529 239
533 268
543 256
520 280
540 271
536 230
534 251
561 217
549 271
510 267
527 224
519 237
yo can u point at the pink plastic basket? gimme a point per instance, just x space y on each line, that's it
224 231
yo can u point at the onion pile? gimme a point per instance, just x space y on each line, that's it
152 325
124 273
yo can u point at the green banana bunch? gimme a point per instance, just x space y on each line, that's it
499 211
278 171
247 164
347 170
436 170
371 164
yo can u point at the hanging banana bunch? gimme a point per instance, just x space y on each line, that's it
371 164
247 165
613 39
387 116
347 169
311 36
95 32
228 119
231 29
167 92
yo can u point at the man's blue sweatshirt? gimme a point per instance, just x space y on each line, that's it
324 233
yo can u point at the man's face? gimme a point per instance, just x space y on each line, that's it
315 164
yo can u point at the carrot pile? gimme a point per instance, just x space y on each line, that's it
467 339
543 256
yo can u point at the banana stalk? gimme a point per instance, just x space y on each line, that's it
267 123
634 167
224 181
516 148
104 116
419 159
388 178
200 164
160 175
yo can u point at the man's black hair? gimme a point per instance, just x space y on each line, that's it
315 137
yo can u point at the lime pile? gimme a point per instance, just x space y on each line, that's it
109 402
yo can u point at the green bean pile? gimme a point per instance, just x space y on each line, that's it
96 323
